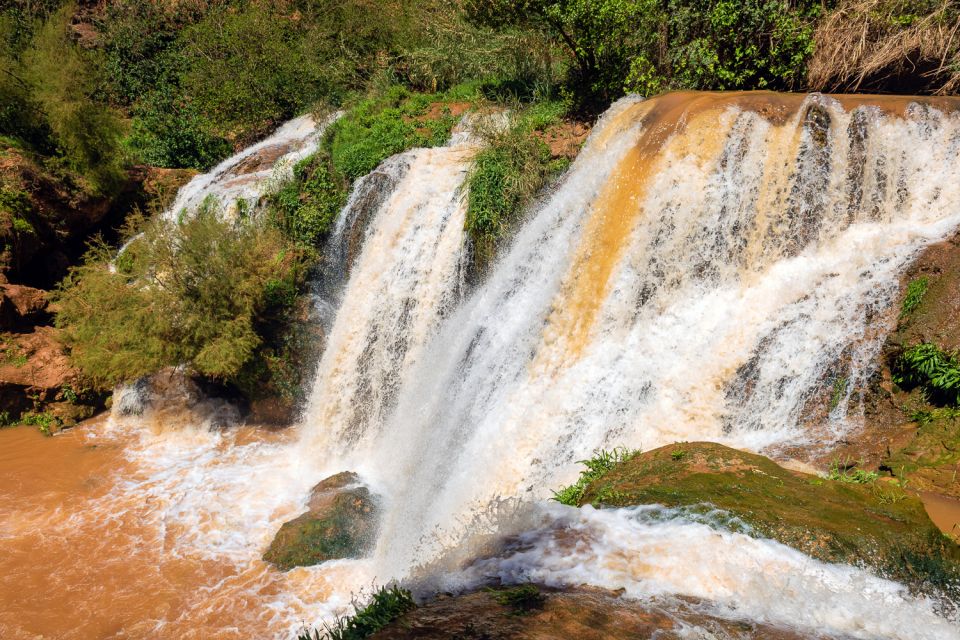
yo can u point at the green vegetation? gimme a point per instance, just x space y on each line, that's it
934 371
915 292
514 166
385 605
521 599
656 45
849 472
839 391
204 292
44 422
870 524
596 467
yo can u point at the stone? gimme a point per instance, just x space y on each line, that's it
341 522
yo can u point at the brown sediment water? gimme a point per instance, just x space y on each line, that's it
944 511
82 557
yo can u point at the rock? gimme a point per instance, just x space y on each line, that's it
585 614
36 378
172 398
341 522
875 524
22 307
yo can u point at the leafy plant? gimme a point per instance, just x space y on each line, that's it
678 454
521 599
935 371
514 166
915 292
44 422
850 473
596 467
385 605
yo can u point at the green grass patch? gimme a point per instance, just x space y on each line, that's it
839 391
505 177
849 472
596 467
915 292
385 605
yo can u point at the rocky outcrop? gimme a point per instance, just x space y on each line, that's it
38 385
585 614
22 307
340 522
876 524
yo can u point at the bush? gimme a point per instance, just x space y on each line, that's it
169 131
935 371
900 46
653 45
505 177
380 127
202 293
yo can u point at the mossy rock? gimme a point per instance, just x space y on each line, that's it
341 523
877 524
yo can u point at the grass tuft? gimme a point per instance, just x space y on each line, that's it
385 606
596 467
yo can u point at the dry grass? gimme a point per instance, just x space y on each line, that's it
889 45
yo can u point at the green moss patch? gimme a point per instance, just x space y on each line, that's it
341 523
875 524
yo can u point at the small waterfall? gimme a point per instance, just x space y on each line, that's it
407 276
705 263
246 176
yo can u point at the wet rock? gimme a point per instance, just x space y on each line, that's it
875 524
340 522
172 398
585 614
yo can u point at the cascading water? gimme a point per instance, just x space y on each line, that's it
704 264
245 176
706 260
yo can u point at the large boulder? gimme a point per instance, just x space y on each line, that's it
340 522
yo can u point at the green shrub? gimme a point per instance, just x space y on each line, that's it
522 599
652 45
380 127
64 81
928 367
596 467
170 131
514 166
202 292
306 206
386 605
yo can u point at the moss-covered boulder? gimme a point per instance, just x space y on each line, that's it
876 524
341 522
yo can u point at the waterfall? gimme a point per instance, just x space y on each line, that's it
705 270
246 176
707 260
